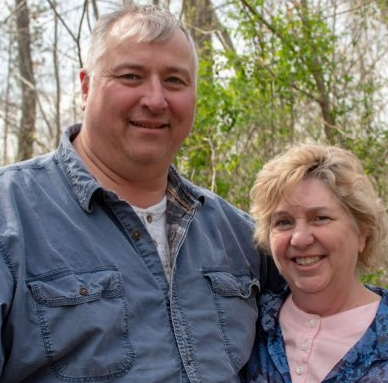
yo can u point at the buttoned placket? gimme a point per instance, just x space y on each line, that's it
179 321
312 328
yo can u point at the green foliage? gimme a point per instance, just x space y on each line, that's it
234 131
378 278
292 80
247 113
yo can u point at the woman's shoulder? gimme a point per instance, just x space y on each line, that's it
383 292
378 372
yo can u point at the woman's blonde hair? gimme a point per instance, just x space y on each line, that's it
342 171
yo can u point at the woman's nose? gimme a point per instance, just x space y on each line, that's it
302 237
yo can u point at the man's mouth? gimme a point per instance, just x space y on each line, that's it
146 125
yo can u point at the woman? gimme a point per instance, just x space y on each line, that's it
317 213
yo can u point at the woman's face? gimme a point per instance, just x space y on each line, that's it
315 241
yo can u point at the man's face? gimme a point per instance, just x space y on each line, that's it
139 103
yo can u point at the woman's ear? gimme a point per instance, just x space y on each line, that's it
362 240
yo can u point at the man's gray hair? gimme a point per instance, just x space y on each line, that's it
149 23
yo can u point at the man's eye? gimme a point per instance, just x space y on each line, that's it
129 76
175 81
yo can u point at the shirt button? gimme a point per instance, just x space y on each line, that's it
313 322
149 218
136 234
299 370
83 291
304 346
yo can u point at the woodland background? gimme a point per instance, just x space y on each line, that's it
272 73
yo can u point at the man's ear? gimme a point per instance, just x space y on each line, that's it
85 82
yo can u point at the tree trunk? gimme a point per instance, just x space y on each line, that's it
7 106
199 20
318 75
58 91
26 136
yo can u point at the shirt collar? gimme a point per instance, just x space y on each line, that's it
85 185
269 305
182 191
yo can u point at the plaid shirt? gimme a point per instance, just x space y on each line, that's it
183 202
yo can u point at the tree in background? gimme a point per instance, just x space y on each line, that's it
305 71
27 82
272 73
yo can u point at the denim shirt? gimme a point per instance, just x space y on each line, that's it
83 293
365 362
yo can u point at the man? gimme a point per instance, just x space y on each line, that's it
114 268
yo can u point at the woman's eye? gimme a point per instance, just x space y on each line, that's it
322 219
282 224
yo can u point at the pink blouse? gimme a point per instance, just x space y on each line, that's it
315 344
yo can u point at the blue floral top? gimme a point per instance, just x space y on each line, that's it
366 362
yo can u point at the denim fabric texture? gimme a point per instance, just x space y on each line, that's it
366 362
83 293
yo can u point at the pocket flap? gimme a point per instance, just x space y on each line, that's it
230 285
71 288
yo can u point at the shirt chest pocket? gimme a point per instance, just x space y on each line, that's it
234 298
84 325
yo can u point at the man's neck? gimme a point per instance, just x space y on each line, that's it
137 195
140 188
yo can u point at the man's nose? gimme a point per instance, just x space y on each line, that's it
154 97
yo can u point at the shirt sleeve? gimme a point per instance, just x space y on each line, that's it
6 294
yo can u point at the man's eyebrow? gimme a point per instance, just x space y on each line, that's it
170 69
178 69
127 66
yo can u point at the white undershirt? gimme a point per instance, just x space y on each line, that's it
154 219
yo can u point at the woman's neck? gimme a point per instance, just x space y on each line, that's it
328 303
